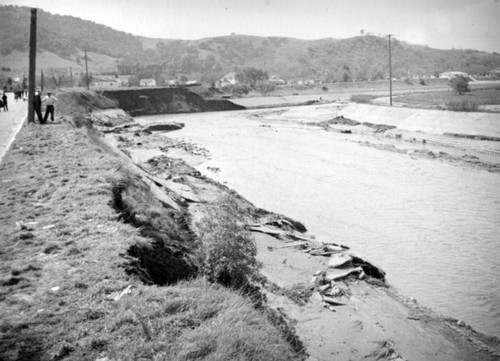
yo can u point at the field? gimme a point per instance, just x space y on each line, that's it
444 99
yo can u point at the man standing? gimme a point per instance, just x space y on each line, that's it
4 100
37 102
49 101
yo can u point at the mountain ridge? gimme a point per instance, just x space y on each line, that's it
329 59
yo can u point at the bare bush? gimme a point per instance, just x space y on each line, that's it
227 253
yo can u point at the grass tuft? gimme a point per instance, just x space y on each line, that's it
362 98
227 253
462 105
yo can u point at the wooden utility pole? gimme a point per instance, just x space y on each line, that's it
86 71
41 80
32 68
390 72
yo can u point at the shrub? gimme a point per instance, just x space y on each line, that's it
462 105
265 87
227 253
240 89
362 98
324 88
459 84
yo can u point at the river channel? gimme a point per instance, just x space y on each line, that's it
434 227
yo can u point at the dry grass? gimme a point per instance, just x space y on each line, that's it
362 98
450 100
80 102
227 252
61 278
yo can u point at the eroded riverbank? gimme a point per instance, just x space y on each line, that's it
372 315
439 218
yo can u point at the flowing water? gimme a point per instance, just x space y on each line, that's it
433 227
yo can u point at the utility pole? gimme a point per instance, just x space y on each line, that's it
86 71
41 80
32 68
390 72
71 76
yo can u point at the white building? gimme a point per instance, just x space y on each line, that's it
147 82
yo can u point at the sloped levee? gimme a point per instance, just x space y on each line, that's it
150 101
486 125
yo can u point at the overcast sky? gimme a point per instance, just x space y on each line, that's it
441 24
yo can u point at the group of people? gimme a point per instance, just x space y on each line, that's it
3 103
49 102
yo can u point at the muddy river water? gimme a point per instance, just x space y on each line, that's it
434 227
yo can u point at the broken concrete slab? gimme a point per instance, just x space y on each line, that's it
163 127
337 276
338 260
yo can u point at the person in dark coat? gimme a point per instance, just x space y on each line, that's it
37 105
4 100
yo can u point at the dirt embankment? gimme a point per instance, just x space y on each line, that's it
150 101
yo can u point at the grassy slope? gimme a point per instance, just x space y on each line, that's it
60 279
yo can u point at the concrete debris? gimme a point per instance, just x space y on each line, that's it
333 301
337 276
164 127
116 296
110 117
28 226
339 260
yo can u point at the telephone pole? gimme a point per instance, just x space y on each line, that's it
86 71
32 68
390 72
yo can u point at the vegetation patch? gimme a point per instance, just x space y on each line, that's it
362 98
466 105
450 100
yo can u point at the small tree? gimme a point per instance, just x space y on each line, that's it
84 81
240 89
459 84
57 76
251 76
265 87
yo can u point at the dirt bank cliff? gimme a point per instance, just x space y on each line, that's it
148 101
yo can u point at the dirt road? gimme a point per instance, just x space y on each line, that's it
11 122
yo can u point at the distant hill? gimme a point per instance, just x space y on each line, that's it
62 39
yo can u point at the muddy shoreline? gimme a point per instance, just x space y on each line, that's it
367 313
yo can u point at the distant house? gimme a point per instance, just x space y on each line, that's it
278 81
147 82
124 80
452 74
226 80
105 82
495 73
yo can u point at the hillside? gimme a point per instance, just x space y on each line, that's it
62 39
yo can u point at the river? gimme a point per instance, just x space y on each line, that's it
434 227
